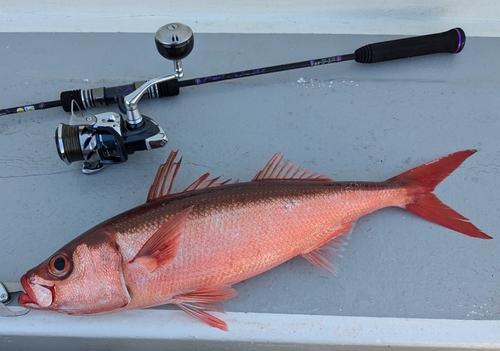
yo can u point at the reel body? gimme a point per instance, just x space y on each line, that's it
108 138
105 139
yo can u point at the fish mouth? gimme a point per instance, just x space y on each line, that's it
27 297
36 295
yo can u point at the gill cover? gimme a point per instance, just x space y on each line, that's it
81 278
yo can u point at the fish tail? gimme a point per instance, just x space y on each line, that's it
425 204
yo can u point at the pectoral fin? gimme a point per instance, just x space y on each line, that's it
197 303
162 245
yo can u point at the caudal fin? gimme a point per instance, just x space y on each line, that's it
427 205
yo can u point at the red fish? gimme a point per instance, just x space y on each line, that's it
189 248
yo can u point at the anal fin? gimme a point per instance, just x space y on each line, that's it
198 303
320 256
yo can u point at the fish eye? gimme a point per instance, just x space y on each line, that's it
59 265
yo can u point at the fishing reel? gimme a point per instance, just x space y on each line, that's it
109 138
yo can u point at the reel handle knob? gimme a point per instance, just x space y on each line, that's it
174 41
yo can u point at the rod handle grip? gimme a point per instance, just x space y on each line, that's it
451 41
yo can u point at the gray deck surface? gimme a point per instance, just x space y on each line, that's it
349 121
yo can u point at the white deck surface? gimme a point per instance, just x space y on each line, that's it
401 282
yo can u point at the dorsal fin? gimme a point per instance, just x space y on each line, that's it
289 171
165 177
203 183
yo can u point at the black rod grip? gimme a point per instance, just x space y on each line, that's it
451 41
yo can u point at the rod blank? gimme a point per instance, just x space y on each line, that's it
451 41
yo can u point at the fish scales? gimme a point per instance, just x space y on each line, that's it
188 248
275 231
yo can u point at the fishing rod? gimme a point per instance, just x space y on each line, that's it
451 41
109 138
